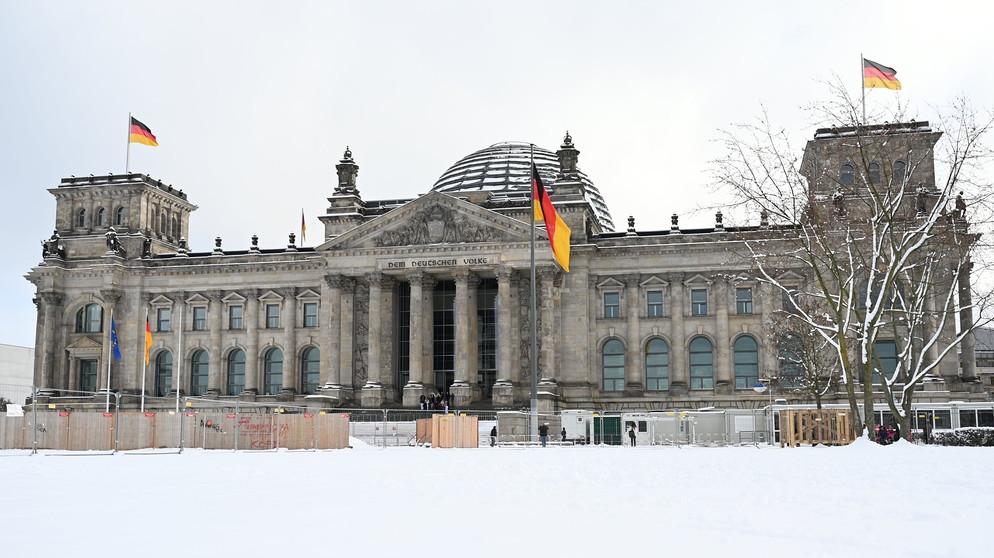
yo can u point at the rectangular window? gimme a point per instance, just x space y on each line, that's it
790 300
698 302
235 317
654 301
612 305
272 316
310 314
162 316
743 301
199 318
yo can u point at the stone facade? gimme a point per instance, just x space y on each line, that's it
411 297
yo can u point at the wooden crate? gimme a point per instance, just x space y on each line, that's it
815 426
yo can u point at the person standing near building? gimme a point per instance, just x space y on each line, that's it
564 433
631 435
543 433
493 436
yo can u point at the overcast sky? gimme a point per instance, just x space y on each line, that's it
253 103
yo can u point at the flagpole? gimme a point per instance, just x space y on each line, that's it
862 83
179 351
110 357
127 164
144 363
532 311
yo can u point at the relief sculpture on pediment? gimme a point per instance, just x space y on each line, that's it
438 225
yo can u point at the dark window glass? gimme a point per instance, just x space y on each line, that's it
874 170
235 317
199 318
198 373
613 366
162 317
701 364
88 375
444 333
654 299
885 359
847 175
698 302
310 371
898 176
236 372
273 371
746 356
310 314
163 373
612 305
272 316
90 319
486 335
657 365
743 301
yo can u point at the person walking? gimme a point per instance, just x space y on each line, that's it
493 436
564 433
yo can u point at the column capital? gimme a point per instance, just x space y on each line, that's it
288 292
50 298
632 280
111 295
504 272
215 295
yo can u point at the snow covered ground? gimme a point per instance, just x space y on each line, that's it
568 501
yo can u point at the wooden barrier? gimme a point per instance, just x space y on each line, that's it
449 431
88 431
815 426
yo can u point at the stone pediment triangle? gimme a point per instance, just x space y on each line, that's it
84 343
433 219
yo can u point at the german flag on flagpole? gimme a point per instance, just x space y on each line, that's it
878 75
543 210
148 340
140 133
303 227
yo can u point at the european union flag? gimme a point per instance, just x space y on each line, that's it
113 339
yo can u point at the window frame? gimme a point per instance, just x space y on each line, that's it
271 377
743 306
310 371
612 308
610 362
199 316
199 372
163 319
745 362
310 319
272 315
700 381
654 308
240 318
235 370
655 381
698 307
847 175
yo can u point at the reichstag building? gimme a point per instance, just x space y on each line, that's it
411 297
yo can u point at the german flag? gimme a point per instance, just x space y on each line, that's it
878 75
544 211
141 134
148 340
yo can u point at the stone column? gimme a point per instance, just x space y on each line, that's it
48 328
466 342
346 346
110 296
372 391
503 391
330 395
725 380
177 315
679 370
290 371
216 362
969 344
415 385
633 367
547 373
251 345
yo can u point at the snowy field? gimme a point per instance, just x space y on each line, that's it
570 501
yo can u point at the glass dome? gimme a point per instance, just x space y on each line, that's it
506 168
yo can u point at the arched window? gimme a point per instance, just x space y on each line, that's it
90 319
236 372
81 218
310 370
847 175
198 373
101 217
163 373
898 172
119 217
657 365
163 223
701 364
273 371
789 354
174 228
874 170
746 362
613 365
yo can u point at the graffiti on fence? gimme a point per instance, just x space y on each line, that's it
261 433
209 425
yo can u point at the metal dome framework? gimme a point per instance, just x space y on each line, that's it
506 168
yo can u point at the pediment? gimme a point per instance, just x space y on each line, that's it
161 300
653 281
433 219
271 296
308 294
610 284
698 279
84 344
234 298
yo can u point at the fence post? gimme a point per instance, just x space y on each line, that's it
236 425
34 420
182 415
117 420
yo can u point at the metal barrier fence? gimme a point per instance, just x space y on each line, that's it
102 422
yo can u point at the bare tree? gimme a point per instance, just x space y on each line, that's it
884 247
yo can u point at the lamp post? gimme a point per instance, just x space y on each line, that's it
763 384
